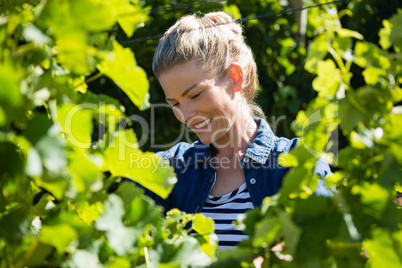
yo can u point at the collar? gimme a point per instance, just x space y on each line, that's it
261 146
258 150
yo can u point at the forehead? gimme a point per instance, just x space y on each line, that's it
181 76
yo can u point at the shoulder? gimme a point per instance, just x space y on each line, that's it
185 152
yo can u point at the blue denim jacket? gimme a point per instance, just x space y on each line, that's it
196 173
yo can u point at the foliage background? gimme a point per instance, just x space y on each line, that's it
64 203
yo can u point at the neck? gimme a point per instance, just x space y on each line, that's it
241 135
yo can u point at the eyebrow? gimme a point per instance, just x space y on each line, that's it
185 91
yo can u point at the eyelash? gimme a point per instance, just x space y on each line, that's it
192 97
195 96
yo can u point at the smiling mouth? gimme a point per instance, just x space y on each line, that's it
202 124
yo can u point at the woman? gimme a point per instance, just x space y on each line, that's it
209 77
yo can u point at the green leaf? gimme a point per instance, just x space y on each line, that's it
9 85
372 75
120 237
290 231
384 34
85 174
189 253
120 66
3 117
129 16
349 115
370 55
372 195
34 164
384 249
76 123
64 233
327 81
112 214
396 31
52 152
123 159
84 259
37 127
93 15
342 32
33 34
266 231
74 53
202 224
317 50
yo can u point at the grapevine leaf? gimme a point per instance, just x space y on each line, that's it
93 15
120 66
342 32
34 164
396 32
84 173
123 159
64 233
318 49
202 224
349 115
112 214
9 79
372 75
384 249
290 231
128 16
326 83
76 123
266 231
52 152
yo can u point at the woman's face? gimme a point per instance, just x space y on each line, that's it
202 101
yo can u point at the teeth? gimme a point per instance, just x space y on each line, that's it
203 124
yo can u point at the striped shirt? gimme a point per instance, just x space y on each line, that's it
224 210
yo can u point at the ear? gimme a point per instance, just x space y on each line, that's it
236 74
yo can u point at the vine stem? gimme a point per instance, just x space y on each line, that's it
146 255
28 254
267 256
94 77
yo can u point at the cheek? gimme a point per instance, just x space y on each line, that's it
178 114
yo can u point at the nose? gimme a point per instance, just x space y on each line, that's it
184 113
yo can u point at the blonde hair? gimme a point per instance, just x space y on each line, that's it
216 40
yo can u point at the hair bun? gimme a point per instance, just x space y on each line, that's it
222 18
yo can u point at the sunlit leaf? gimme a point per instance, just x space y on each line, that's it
318 49
342 32
85 174
64 233
123 159
76 123
327 81
372 74
120 66
52 152
384 249
202 224
99 18
34 164
32 33
10 80
129 16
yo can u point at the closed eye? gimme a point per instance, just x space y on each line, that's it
195 96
